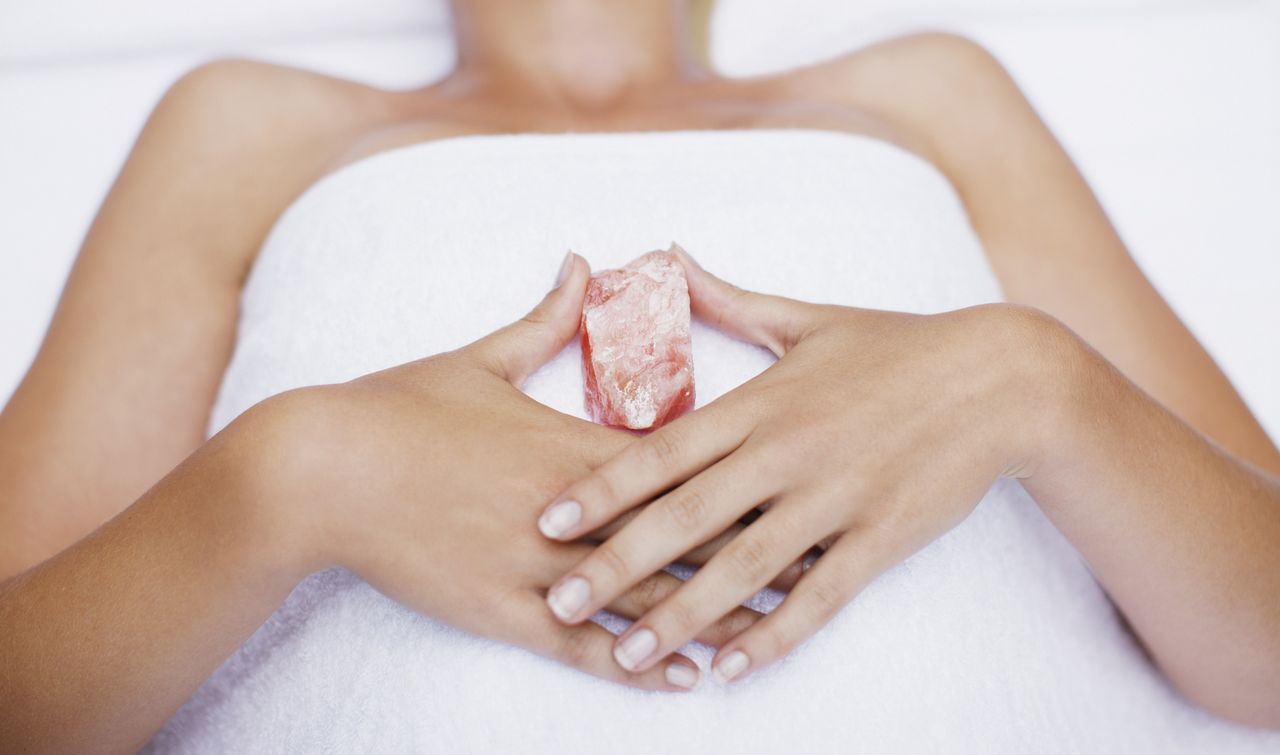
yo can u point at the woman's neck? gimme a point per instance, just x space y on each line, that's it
581 54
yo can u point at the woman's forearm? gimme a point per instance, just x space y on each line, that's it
100 644
1183 535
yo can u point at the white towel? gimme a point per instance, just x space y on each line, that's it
993 639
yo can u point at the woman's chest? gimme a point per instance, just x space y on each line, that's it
781 102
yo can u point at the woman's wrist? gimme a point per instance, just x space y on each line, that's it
1046 363
276 471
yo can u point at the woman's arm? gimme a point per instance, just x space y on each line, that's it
122 386
1047 238
102 643
1184 535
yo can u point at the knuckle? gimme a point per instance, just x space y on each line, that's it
504 614
791 523
854 489
575 648
789 576
773 468
681 618
826 598
663 449
732 624
596 494
687 508
736 301
488 355
612 563
648 592
749 558
776 643
537 317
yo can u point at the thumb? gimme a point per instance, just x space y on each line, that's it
518 350
774 322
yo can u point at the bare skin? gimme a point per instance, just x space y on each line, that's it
121 390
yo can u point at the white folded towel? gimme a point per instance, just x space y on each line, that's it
993 639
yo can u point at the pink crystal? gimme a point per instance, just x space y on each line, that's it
636 353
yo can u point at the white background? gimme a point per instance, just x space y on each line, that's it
1171 108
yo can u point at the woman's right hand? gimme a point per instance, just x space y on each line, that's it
423 479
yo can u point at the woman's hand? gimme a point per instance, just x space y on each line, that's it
422 479
873 434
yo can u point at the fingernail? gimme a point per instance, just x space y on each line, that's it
559 518
569 597
731 666
680 675
565 267
637 646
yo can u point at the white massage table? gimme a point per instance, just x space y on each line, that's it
1172 107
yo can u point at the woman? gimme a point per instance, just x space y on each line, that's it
128 593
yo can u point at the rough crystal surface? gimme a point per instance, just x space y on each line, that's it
636 353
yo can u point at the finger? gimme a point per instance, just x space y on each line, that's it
616 525
653 589
703 553
613 527
647 467
589 648
739 571
519 349
646 594
691 514
786 581
833 581
774 322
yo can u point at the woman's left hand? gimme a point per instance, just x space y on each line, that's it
873 434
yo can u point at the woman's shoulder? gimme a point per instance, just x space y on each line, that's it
922 61
255 134
921 88
248 101
945 95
